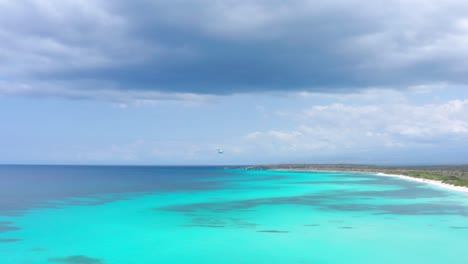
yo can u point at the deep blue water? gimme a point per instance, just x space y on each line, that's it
23 187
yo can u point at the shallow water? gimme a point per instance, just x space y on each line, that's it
124 215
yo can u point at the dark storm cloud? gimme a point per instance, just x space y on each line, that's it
225 47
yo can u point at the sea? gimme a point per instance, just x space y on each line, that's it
150 214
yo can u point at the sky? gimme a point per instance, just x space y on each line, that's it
268 81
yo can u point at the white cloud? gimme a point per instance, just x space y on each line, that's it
254 135
429 120
284 136
337 128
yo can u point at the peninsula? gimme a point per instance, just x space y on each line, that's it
454 175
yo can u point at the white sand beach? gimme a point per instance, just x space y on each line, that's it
433 182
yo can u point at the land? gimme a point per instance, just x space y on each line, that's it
456 175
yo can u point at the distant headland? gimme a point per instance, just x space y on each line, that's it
450 175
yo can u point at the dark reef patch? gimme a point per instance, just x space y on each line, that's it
208 226
459 227
7 226
218 207
366 181
333 201
273 231
425 209
239 223
207 221
216 222
405 193
39 249
346 227
404 209
80 259
10 240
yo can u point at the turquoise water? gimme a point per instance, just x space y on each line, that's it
215 215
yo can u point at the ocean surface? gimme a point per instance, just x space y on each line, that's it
140 215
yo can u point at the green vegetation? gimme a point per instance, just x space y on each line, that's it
456 175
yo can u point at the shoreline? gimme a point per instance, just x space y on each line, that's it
427 181
439 184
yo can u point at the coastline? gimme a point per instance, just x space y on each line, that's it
439 184
427 181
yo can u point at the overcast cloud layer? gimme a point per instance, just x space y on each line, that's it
98 49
